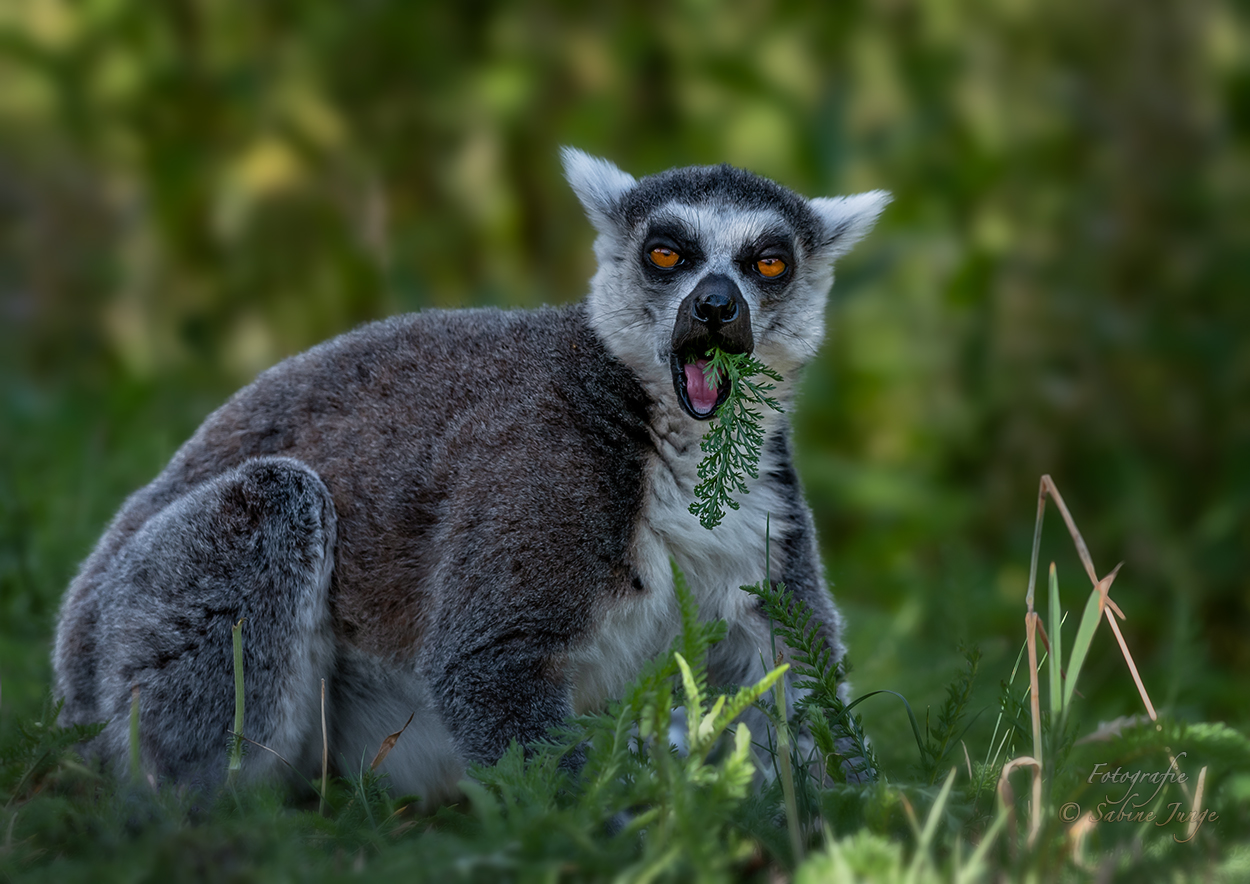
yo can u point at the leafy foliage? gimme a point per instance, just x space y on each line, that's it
640 808
36 750
731 445
822 708
633 781
948 730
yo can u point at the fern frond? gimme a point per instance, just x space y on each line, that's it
696 637
36 749
817 672
940 740
747 695
732 444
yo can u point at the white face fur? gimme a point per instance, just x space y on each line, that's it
723 220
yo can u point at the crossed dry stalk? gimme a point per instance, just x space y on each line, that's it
1063 684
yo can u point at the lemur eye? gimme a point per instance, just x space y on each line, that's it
770 268
664 257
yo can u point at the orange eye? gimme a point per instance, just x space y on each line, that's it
664 257
770 268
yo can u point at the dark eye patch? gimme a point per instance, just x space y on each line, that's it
673 238
769 246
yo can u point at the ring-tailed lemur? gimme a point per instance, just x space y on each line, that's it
469 515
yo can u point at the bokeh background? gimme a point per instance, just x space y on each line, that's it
192 190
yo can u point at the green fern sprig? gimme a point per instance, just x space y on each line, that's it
696 636
795 622
941 738
705 728
36 750
818 673
732 444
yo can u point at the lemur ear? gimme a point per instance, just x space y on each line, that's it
599 186
847 219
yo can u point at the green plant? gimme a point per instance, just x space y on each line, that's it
822 709
609 796
949 729
236 735
731 445
37 750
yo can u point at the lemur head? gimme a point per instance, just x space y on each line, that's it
710 256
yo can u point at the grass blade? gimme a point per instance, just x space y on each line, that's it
136 757
1080 646
1056 646
236 744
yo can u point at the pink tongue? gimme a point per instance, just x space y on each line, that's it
702 397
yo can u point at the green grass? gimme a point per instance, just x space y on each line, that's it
640 814
638 811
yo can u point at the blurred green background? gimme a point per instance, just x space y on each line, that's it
190 191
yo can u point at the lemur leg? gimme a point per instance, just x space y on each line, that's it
494 661
493 695
254 544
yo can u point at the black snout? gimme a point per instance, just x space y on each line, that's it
717 305
714 315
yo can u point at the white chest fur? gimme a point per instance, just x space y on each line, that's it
715 563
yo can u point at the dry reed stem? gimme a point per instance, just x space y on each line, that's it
1033 625
1103 586
1008 798
1128 658
1035 816
1197 805
1041 633
136 752
236 748
1106 607
259 745
1030 631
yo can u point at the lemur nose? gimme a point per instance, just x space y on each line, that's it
714 314
715 301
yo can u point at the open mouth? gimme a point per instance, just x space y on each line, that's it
699 398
